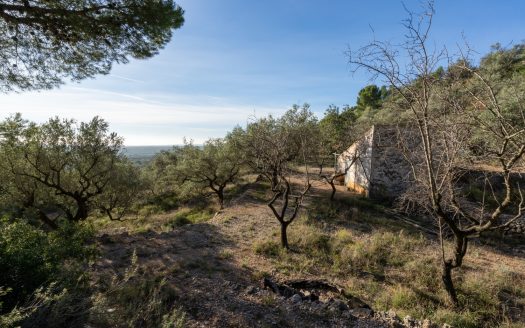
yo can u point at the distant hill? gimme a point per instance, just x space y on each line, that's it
143 154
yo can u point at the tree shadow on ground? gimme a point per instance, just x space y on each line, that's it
197 261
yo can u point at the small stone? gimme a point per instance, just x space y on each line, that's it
250 290
446 325
361 312
426 324
391 314
296 298
409 321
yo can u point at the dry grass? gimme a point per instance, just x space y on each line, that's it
151 218
391 266
349 242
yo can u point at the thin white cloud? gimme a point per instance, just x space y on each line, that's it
141 119
125 78
106 92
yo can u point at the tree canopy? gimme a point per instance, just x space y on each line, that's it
45 42
62 170
274 147
211 167
371 96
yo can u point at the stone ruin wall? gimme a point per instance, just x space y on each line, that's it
390 171
357 178
381 171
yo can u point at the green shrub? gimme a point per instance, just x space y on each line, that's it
175 319
341 238
325 211
268 248
403 298
198 216
135 300
464 319
423 272
31 258
179 221
189 216
167 201
309 239
148 210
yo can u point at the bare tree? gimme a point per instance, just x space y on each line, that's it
287 212
350 160
274 147
458 120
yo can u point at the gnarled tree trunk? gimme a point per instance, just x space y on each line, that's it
448 265
284 235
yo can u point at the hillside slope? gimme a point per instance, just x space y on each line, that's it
215 269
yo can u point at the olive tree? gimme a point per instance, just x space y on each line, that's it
61 169
467 117
211 167
159 182
275 146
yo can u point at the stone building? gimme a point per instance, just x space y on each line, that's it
376 166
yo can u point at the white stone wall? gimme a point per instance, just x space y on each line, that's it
381 171
357 177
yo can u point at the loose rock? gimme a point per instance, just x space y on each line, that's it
296 298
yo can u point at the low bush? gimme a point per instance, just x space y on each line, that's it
136 299
31 258
166 201
189 216
149 210
381 250
178 221
268 248
310 239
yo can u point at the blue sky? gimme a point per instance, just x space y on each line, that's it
234 59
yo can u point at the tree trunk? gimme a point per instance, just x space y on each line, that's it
446 277
332 195
220 195
284 235
50 223
460 249
82 211
330 181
